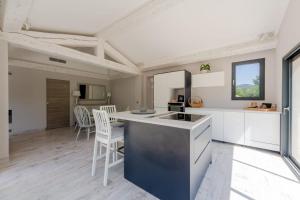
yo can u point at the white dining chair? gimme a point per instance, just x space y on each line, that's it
108 137
110 109
84 120
76 121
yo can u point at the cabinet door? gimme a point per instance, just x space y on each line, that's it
217 122
217 126
162 93
175 79
262 130
163 85
234 127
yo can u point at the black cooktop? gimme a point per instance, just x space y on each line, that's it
183 117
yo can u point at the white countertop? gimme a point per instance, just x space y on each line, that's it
188 109
156 119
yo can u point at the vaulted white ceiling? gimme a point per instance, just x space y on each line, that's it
79 16
182 28
158 32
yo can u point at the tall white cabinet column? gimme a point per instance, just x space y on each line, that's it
4 135
164 84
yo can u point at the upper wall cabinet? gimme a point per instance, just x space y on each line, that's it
171 80
213 79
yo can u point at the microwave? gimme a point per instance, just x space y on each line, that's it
178 107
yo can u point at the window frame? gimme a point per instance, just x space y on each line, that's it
261 62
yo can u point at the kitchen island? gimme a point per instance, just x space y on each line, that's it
166 153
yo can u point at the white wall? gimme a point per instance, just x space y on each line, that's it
221 96
289 37
27 96
126 92
4 141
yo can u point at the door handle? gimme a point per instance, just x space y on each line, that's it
285 110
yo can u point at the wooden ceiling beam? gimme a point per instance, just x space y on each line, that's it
101 47
14 14
116 55
147 11
56 69
32 44
63 39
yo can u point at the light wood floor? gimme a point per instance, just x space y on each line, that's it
51 165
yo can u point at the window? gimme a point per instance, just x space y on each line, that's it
248 80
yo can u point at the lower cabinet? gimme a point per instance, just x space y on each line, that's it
217 125
255 129
217 122
262 130
234 127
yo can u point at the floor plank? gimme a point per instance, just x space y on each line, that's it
51 165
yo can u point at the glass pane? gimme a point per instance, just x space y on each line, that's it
247 80
92 92
295 137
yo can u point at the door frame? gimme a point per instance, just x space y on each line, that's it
286 117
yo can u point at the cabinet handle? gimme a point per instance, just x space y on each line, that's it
285 110
201 152
202 132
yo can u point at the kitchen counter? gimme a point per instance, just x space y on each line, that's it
231 110
155 119
167 158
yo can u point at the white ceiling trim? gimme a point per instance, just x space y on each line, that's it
14 14
56 69
26 42
249 47
147 11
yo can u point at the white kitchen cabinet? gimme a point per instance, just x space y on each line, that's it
162 94
249 128
217 125
262 130
217 121
163 86
175 79
234 127
212 79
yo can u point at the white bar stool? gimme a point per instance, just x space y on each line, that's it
106 136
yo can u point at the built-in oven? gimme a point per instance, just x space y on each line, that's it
178 107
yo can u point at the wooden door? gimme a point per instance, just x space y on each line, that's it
58 103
